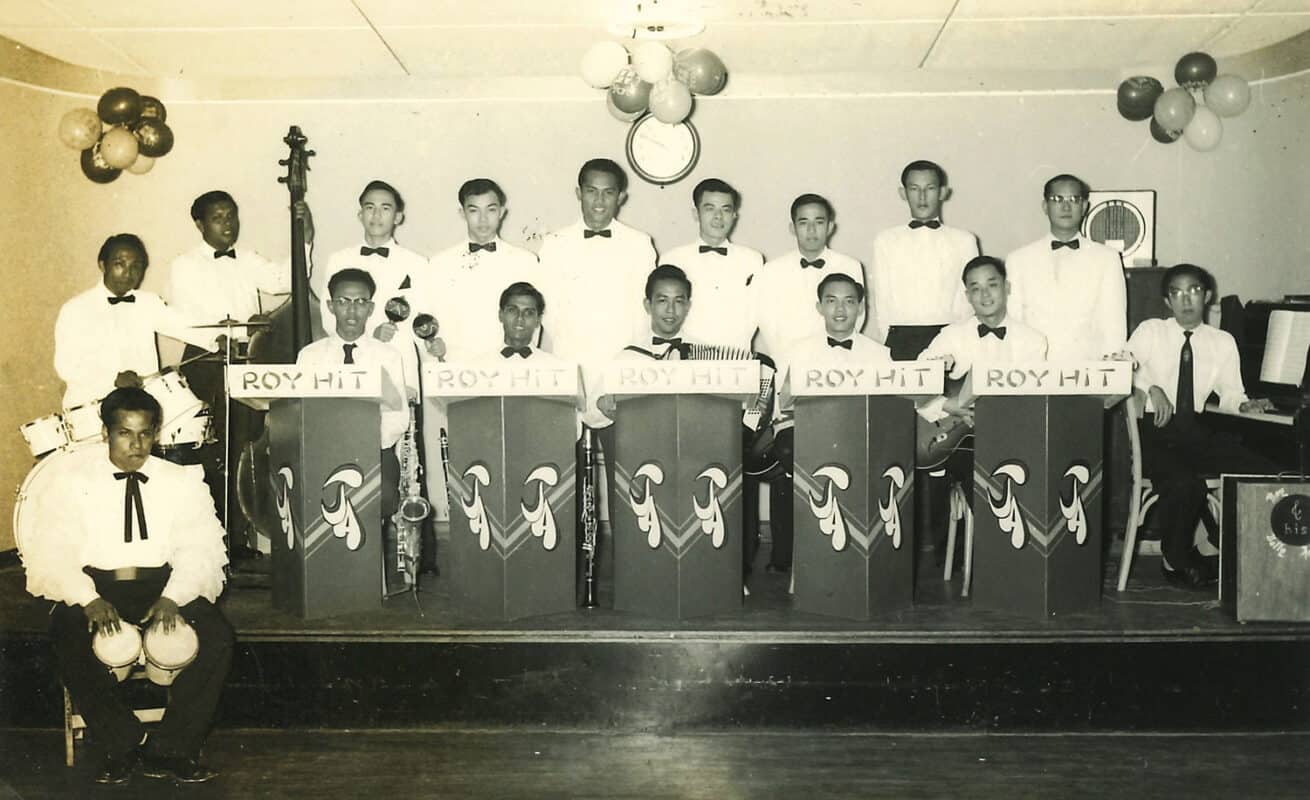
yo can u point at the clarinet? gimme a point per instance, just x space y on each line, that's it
589 521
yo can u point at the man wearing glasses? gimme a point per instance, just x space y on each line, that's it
1068 287
351 304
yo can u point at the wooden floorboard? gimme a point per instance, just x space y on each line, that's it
323 765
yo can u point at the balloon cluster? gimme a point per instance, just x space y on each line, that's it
652 78
1190 110
126 131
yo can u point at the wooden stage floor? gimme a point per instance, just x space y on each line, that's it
1149 610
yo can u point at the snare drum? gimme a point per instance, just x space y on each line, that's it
118 651
185 418
45 434
167 654
82 423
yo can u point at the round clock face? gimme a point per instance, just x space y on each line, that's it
662 153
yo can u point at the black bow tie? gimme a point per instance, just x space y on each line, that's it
381 251
844 344
932 224
723 251
228 253
127 298
998 332
816 263
474 247
675 341
1072 244
131 501
588 233
521 352
349 350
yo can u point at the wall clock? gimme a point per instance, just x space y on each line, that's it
662 153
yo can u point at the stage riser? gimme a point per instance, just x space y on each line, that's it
659 686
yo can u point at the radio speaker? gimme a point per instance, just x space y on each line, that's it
1124 220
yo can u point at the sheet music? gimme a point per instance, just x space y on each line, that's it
1285 347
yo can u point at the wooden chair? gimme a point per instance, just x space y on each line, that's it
1143 495
75 726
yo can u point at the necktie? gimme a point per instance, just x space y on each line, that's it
474 247
1184 400
998 332
349 350
675 341
521 352
844 344
131 500
816 263
228 253
1072 244
932 224
605 234
127 298
723 251
368 251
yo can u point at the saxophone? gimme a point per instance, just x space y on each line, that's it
414 507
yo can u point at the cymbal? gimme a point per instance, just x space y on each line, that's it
233 323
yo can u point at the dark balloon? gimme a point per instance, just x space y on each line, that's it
95 168
155 137
1137 97
151 108
700 70
1195 70
1163 136
119 106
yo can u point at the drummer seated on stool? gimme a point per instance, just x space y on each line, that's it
1180 362
351 304
165 569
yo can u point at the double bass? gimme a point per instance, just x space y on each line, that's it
290 328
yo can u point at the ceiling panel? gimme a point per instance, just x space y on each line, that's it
404 13
259 53
1257 31
1106 44
75 47
486 52
1019 9
224 14
1281 6
821 48
30 14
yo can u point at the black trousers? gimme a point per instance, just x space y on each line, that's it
192 698
1177 458
907 341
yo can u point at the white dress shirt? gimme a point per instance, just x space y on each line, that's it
95 340
814 349
594 289
82 525
206 290
1157 345
1076 298
961 341
915 276
369 352
785 299
722 302
464 289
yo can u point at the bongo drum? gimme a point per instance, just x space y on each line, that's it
118 651
167 654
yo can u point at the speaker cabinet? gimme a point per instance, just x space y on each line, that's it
1124 220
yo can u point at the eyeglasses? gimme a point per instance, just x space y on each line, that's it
352 302
1191 291
1072 199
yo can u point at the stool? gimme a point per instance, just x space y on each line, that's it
75 726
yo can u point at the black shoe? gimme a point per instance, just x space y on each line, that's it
1194 578
182 770
118 769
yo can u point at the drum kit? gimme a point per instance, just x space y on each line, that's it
185 424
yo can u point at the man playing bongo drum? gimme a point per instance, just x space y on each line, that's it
164 571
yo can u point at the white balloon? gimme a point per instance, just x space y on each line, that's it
142 165
653 61
1205 130
602 62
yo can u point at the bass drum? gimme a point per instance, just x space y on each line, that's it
37 491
